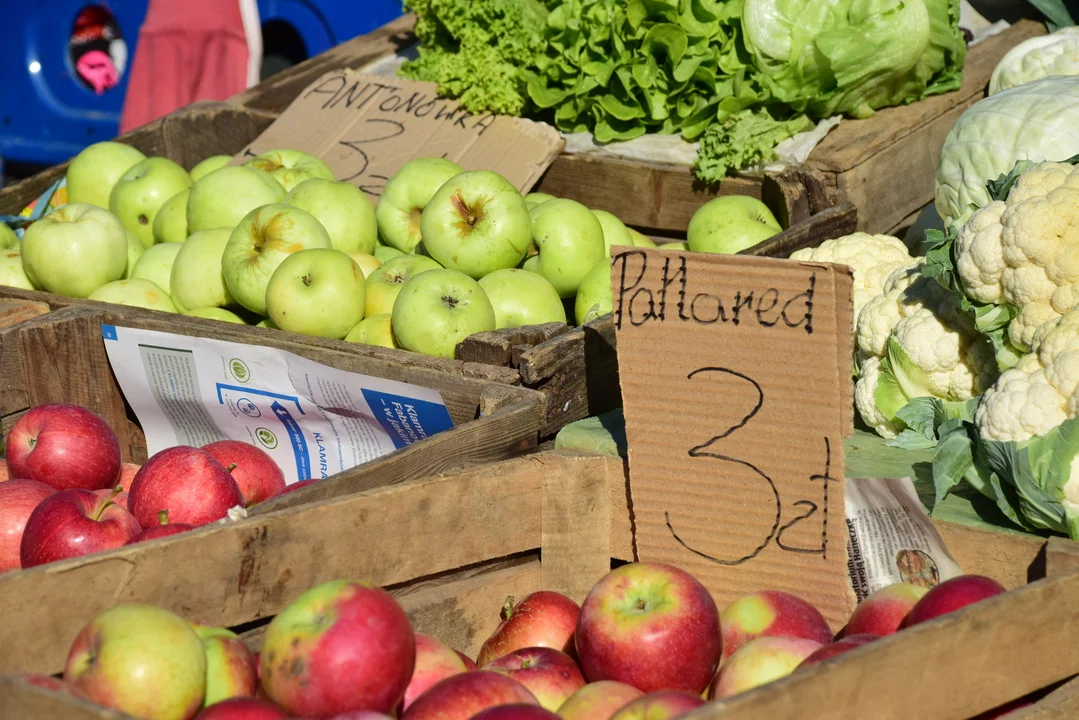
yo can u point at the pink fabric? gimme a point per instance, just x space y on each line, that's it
188 50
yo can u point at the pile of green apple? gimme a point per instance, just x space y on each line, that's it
278 242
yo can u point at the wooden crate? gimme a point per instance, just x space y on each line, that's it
537 522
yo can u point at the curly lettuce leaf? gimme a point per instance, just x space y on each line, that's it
744 139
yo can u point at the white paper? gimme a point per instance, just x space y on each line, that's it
313 420
891 539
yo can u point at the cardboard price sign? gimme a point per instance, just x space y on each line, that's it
365 127
735 376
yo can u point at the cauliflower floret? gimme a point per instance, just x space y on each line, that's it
955 363
905 292
980 256
865 400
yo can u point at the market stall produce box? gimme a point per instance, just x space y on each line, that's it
532 523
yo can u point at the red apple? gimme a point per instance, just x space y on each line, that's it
194 487
459 697
598 701
339 647
771 613
434 662
542 619
253 470
470 664
760 661
242 708
71 523
652 626
127 475
362 715
1004 710
18 498
65 446
163 529
295 486
951 595
884 610
517 711
550 675
231 669
663 705
846 644
45 681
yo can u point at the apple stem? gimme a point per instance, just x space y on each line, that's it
162 517
231 467
108 501
507 607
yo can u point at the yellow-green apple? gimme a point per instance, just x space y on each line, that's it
225 196
598 701
94 171
4 474
254 471
12 273
341 646
263 239
170 225
231 669
18 498
188 482
74 250
435 662
405 196
319 292
384 253
771 613
155 264
640 239
521 298
342 208
537 198
550 675
195 278
515 711
374 330
476 223
71 523
652 626
385 283
135 248
64 446
437 309
615 232
570 242
730 224
594 297
267 323
542 619
952 595
290 167
8 239
679 246
760 661
368 263
884 610
207 166
142 190
141 660
462 696
216 313
163 529
660 705
846 644
244 708
136 292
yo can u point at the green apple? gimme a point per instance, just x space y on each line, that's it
614 231
142 190
262 240
267 323
569 237
521 298
476 223
374 330
640 239
318 292
405 196
207 166
94 171
438 309
155 265
12 273
675 246
135 249
342 208
385 283
8 239
75 249
195 280
384 253
231 669
136 292
290 167
224 197
215 313
594 297
730 224
367 263
537 198
170 225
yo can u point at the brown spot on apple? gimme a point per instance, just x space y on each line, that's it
143 220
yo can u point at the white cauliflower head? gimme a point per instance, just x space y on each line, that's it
865 400
904 292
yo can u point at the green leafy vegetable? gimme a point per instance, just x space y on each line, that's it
742 140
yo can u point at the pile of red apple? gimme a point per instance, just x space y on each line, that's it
64 491
645 644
